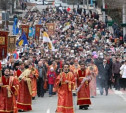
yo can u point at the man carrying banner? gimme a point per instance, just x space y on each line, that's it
83 91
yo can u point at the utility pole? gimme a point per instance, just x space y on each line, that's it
83 3
87 6
103 3
124 19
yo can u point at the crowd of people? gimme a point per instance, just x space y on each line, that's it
86 56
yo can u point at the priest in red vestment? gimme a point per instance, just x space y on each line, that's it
13 77
34 76
74 69
83 95
24 99
64 85
8 89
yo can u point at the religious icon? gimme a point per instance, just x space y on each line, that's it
51 27
12 40
25 30
2 40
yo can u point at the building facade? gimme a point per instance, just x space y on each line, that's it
9 5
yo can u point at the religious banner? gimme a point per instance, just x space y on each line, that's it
3 44
11 43
51 28
37 31
25 28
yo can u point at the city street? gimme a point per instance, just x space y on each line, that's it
84 41
115 102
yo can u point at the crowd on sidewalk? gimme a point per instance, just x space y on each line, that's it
85 55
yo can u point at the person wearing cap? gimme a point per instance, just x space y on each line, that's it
8 90
83 91
51 76
64 84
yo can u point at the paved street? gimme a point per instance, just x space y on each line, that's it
115 102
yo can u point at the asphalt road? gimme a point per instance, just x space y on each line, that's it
115 102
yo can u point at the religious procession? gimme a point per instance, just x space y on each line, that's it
63 53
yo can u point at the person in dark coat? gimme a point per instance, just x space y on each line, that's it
41 79
116 73
104 77
98 62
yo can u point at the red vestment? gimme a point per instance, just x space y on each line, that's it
74 70
65 98
7 92
18 72
83 96
24 99
16 93
34 78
